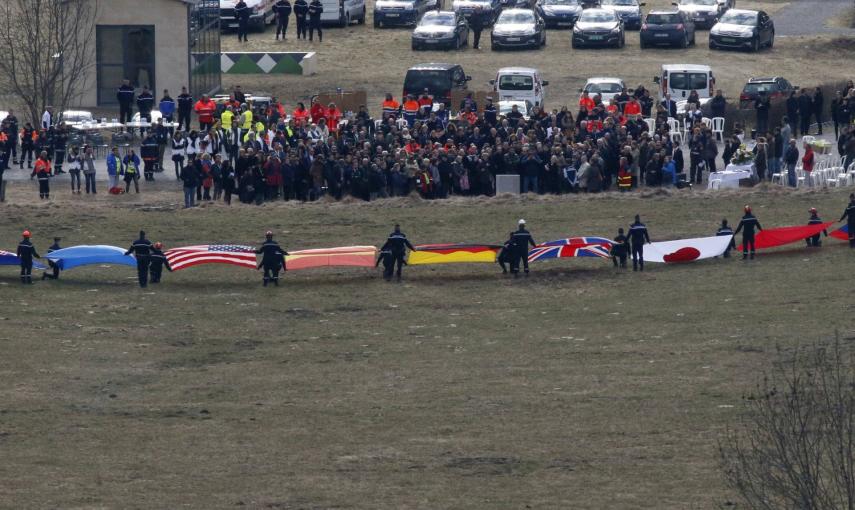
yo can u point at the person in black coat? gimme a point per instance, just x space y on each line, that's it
747 225
272 259
301 8
26 252
316 8
805 111
125 97
725 230
718 104
793 113
762 107
157 263
141 249
477 20
398 244
522 239
283 12
638 236
242 12
54 274
620 249
818 105
506 254
145 103
849 215
385 256
815 241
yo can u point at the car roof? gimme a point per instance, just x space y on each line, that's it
742 11
603 79
686 67
519 70
661 11
432 66
597 9
452 13
762 80
517 10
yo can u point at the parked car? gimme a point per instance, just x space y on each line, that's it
672 28
467 7
441 29
607 88
628 10
401 12
679 80
343 12
520 84
438 79
743 29
261 14
598 27
559 13
517 28
704 13
777 88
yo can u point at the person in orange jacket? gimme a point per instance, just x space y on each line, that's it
317 111
390 107
333 117
586 101
205 109
300 114
42 171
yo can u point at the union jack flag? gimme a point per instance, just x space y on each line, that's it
572 247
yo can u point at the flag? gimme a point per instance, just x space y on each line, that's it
7 258
356 256
772 237
572 247
84 255
453 253
189 256
686 250
841 233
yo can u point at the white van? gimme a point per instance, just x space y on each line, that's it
681 79
520 84
343 12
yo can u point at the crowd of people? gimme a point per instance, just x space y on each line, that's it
263 154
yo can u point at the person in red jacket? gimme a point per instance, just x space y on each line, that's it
333 117
43 172
807 161
205 109
317 111
300 114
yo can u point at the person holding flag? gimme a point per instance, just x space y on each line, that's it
620 249
725 230
398 244
849 215
385 256
638 236
54 275
747 225
141 249
272 259
506 254
814 241
157 262
26 252
521 239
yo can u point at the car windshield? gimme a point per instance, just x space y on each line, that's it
516 17
756 88
596 16
739 18
603 88
698 2
560 2
618 2
663 19
434 81
688 81
438 18
505 108
515 82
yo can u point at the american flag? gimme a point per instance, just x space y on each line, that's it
572 247
189 256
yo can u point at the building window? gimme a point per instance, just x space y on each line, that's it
204 42
124 52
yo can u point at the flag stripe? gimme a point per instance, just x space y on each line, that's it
189 256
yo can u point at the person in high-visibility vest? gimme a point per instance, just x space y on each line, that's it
390 107
42 171
624 176
586 101
411 110
205 109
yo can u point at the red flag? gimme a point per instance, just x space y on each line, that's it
772 237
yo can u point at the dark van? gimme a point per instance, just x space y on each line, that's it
438 79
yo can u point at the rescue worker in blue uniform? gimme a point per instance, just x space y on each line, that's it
385 256
26 252
157 261
747 225
521 239
272 259
506 254
398 244
141 250
725 230
849 215
620 249
54 274
638 236
814 241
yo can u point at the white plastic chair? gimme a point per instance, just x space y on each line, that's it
718 128
687 127
706 121
779 177
674 131
651 124
808 139
401 123
715 184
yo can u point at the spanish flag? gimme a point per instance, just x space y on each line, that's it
453 253
355 256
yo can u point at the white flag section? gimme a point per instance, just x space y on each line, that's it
686 250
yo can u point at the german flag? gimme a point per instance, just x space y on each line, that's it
453 254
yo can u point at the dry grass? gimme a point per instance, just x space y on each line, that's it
375 60
580 387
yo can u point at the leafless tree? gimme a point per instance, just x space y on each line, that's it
795 445
48 51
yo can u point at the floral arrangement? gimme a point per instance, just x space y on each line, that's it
743 156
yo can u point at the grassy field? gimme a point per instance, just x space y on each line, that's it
376 60
579 387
